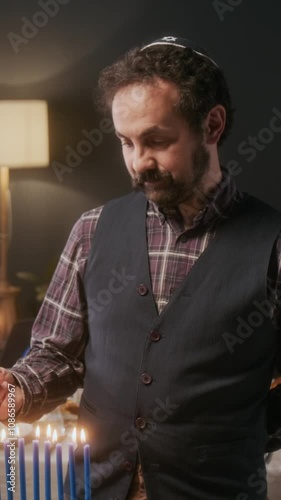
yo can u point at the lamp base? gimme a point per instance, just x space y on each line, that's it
8 295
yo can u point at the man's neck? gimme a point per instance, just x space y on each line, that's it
202 194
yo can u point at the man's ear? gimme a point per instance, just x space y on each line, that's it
214 124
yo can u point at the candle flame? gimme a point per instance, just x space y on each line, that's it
55 436
49 432
3 434
82 436
74 435
17 430
37 432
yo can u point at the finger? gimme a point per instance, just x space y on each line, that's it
5 378
3 390
4 402
4 408
6 375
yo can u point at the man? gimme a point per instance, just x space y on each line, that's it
165 303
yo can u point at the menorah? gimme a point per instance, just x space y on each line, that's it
15 457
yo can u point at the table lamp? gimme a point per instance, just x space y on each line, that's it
24 143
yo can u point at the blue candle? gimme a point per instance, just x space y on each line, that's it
72 471
22 469
47 466
87 472
71 466
36 486
9 471
59 471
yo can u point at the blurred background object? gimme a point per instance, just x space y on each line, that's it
24 140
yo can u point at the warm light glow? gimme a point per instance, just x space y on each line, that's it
37 432
17 431
24 135
49 432
55 436
82 436
3 435
74 435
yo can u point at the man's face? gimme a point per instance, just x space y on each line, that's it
164 157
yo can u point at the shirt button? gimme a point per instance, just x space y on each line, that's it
146 378
141 423
183 238
128 465
142 289
172 290
155 336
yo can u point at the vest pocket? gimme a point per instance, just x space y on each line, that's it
242 448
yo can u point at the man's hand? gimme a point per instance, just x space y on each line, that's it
7 378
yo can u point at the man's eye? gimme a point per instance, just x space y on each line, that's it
126 144
158 141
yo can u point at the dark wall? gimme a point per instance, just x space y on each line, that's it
60 62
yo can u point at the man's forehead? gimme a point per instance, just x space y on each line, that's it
154 129
136 93
140 101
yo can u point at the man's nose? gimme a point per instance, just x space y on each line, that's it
142 161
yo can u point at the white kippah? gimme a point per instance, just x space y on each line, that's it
178 42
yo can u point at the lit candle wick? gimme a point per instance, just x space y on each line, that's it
3 435
49 432
55 436
74 435
82 436
37 432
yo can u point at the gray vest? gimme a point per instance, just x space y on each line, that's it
187 390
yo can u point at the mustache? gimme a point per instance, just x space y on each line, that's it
151 175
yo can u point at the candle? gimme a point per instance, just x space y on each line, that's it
87 467
9 471
35 444
71 465
59 466
47 464
22 469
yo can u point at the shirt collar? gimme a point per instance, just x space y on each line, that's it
217 205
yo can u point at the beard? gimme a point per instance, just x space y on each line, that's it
168 192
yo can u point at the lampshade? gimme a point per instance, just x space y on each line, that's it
24 134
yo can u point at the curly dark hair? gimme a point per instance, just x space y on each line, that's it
201 83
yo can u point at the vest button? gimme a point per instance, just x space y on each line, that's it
141 423
142 289
155 336
172 290
128 466
183 238
146 378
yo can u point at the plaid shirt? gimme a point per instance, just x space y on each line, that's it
54 367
